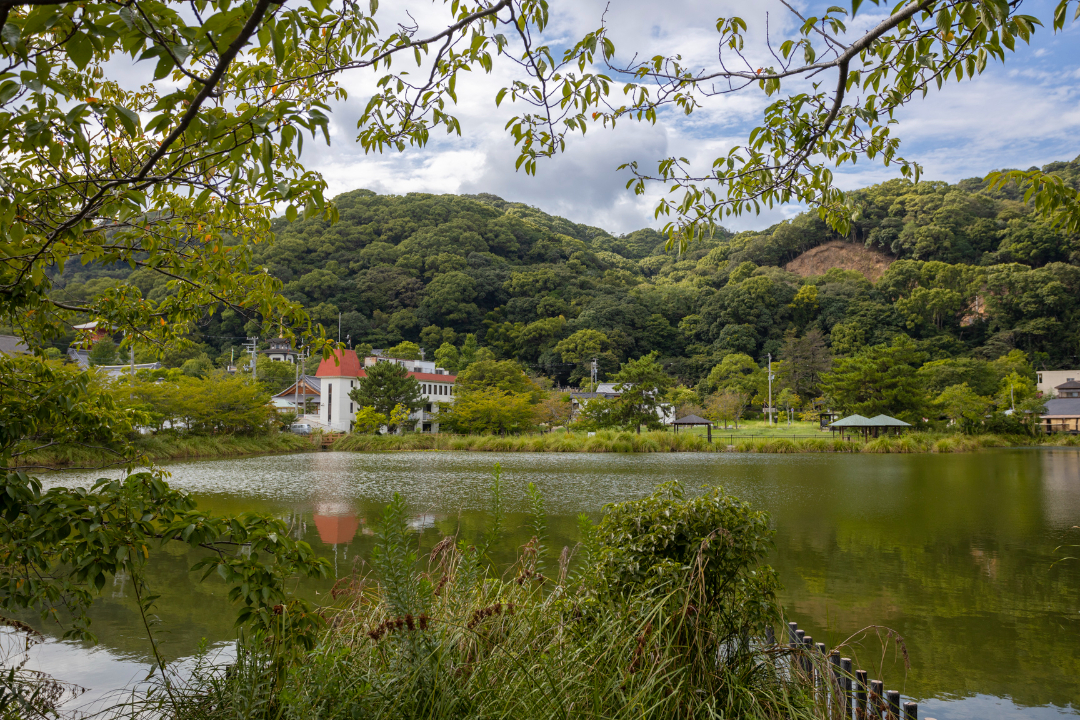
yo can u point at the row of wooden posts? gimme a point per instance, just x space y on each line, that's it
855 694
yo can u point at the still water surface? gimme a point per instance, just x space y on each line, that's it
956 552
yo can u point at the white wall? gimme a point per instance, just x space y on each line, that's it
1050 379
337 409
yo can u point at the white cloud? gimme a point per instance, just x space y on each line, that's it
1025 114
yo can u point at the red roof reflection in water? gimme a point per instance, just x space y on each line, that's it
336 529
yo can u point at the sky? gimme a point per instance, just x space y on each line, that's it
1023 113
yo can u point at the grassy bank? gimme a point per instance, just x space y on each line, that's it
161 448
650 442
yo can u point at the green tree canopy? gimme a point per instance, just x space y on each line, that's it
642 386
505 375
881 379
489 410
404 351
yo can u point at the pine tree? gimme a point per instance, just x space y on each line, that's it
387 385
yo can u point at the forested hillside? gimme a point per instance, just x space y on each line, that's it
972 274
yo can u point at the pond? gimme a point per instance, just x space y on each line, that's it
955 552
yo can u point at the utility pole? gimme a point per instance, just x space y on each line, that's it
593 375
296 386
339 327
770 389
252 347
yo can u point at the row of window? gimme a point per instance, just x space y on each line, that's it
432 389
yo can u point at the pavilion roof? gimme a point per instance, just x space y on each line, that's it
887 421
692 420
851 421
875 422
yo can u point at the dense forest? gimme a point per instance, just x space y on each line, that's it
965 273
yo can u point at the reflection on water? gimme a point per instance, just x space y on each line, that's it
955 552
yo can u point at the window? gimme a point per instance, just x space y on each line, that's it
329 402
350 407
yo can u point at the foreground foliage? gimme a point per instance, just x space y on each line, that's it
664 616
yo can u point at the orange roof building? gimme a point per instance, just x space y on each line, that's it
339 374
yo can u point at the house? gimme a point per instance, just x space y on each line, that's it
118 370
91 332
611 391
1063 410
281 349
1048 380
13 345
338 375
301 397
1068 389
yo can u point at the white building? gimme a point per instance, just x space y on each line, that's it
338 375
1050 379
281 349
611 391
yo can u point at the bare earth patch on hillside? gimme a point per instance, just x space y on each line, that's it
840 254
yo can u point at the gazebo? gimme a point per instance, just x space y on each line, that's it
868 426
693 420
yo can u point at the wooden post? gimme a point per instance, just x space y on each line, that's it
708 429
894 704
911 711
877 699
861 698
792 629
808 662
845 668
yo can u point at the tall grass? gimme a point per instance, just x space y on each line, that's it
613 441
161 448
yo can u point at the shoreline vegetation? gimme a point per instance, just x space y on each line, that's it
167 448
612 441
161 448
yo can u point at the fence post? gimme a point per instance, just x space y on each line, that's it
793 638
894 704
911 711
861 698
877 698
808 661
845 668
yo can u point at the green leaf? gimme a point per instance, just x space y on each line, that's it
129 119
79 49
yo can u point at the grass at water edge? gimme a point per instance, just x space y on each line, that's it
610 441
